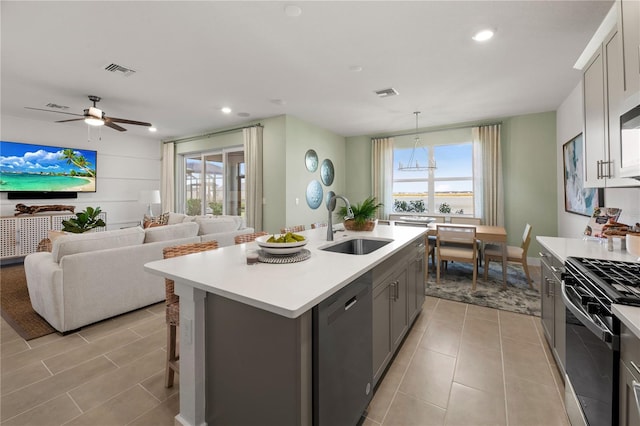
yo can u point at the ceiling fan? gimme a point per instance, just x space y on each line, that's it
96 117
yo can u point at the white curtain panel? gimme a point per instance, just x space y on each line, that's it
253 172
487 138
167 178
382 174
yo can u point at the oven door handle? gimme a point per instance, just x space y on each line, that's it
602 333
636 394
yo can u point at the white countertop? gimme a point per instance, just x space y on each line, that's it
578 247
285 289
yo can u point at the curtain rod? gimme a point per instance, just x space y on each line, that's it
208 135
436 130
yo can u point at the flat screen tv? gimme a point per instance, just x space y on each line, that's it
29 168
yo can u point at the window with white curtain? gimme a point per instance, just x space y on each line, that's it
447 189
214 183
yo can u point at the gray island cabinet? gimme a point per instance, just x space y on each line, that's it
252 349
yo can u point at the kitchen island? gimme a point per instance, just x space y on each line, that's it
246 331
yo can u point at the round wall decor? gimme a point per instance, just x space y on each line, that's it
311 160
326 172
314 194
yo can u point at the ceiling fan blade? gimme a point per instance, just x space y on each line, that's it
125 121
57 112
71 119
114 126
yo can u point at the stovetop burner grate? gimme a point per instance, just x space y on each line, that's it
619 279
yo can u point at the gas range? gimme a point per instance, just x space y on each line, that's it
615 281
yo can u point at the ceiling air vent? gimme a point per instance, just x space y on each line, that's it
385 93
126 72
56 106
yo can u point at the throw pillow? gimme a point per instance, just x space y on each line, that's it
216 225
148 221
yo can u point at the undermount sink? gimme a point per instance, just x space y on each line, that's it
357 246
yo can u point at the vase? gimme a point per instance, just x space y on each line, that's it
351 225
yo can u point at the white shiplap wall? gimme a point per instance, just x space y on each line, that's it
127 163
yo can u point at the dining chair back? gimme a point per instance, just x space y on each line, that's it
247 238
295 228
172 307
463 248
514 254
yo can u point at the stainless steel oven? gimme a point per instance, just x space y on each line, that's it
589 287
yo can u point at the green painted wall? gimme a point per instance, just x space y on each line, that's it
300 137
529 170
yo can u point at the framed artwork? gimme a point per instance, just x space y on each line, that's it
577 198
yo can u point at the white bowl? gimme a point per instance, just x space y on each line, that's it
279 248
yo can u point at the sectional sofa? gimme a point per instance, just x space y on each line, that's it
94 276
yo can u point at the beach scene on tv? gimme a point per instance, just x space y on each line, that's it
26 167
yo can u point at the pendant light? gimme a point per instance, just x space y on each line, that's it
413 165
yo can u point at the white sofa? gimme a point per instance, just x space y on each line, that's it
93 276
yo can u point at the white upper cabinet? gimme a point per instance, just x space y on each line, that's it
606 98
629 27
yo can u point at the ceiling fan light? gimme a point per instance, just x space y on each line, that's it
94 121
95 112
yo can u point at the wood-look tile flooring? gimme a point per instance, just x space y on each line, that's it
460 365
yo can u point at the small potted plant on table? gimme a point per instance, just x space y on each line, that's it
364 215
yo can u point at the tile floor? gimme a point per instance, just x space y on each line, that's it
459 365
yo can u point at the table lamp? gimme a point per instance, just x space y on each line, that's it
149 197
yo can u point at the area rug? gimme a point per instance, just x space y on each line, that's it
15 305
455 284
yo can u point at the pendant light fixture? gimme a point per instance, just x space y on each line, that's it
413 165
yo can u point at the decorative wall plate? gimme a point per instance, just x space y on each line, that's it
311 160
326 172
314 194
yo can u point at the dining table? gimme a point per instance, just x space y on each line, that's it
487 234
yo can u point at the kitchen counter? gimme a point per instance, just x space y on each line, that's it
246 331
284 289
578 247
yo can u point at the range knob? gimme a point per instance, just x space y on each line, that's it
594 308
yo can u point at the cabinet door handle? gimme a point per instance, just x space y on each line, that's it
392 293
541 254
635 366
598 167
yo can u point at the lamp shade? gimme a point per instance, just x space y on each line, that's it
149 196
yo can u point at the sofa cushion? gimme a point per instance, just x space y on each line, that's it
91 241
215 225
170 232
176 218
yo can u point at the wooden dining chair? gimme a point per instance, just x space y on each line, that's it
464 250
514 254
247 238
295 228
172 307
464 220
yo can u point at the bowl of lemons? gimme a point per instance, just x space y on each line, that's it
280 244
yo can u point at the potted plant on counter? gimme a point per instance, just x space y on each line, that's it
364 215
84 221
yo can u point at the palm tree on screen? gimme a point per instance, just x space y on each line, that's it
78 161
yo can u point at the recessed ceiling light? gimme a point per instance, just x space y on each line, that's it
292 11
153 129
226 110
355 68
483 35
243 114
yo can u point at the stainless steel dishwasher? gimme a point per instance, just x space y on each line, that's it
342 355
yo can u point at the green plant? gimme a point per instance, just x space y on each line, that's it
445 208
216 208
362 212
84 221
194 206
